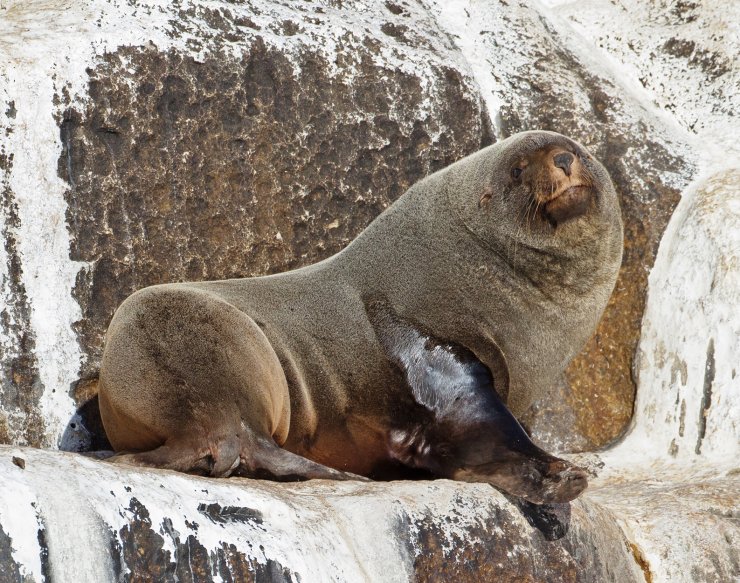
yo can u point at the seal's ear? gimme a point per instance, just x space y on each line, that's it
485 197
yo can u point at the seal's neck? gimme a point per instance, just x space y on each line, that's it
570 272
421 249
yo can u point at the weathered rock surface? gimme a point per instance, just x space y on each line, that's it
552 79
75 519
160 526
198 140
244 165
661 480
146 142
614 85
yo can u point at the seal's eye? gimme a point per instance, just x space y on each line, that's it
516 172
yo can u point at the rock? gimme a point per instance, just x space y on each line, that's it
692 365
679 463
655 120
196 143
74 518
679 531
192 142
147 142
242 169
79 519
551 80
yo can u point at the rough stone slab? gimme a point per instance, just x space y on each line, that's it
536 72
195 140
690 349
673 483
680 531
147 142
682 54
74 518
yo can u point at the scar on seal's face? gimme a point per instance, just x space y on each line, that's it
410 353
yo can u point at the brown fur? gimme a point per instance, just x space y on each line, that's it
195 374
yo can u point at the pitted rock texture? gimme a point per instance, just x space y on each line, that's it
9 570
564 544
185 170
139 553
199 141
132 524
150 525
20 386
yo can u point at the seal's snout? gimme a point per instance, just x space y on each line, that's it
557 180
569 204
571 193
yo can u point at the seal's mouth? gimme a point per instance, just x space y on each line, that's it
570 203
564 192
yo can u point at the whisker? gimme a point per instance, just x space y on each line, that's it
520 217
524 222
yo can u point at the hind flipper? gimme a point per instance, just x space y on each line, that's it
264 459
219 460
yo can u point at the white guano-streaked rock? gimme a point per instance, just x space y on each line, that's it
654 85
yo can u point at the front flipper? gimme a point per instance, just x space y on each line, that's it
472 435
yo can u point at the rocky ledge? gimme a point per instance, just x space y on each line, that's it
77 519
663 505
143 142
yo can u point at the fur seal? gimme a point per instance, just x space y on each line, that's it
411 350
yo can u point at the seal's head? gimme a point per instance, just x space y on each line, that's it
540 190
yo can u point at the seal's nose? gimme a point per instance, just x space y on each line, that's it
563 161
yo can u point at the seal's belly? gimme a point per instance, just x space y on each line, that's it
356 444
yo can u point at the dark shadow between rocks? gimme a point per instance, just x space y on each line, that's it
552 520
84 432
